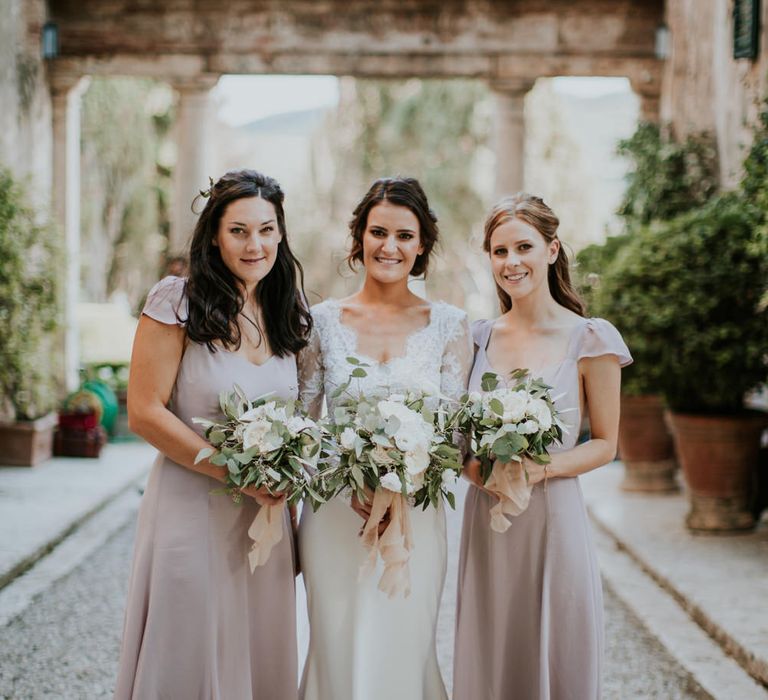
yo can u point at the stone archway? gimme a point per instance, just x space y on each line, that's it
190 43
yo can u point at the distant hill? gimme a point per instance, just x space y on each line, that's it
287 124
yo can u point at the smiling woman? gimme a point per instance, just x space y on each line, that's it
358 634
198 624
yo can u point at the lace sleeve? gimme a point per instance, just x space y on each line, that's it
457 358
312 376
456 366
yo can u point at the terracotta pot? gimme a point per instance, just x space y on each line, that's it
26 443
718 456
645 446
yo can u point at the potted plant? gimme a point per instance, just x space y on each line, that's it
700 279
29 364
645 444
80 433
665 178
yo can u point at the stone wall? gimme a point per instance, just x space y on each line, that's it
25 117
704 87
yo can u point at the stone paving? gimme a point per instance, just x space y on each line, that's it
720 580
65 645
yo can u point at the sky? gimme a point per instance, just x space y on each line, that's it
246 98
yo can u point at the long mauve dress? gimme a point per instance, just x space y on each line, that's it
198 624
529 623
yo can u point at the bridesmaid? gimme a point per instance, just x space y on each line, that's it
198 625
530 610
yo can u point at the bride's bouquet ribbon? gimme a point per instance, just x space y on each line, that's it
266 531
509 484
394 546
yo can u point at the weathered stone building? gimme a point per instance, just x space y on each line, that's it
677 54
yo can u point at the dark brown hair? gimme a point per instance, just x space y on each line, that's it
215 299
404 192
533 211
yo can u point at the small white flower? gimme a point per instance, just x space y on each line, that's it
274 412
296 424
347 438
539 410
251 414
528 427
254 433
449 479
391 482
475 396
416 461
513 404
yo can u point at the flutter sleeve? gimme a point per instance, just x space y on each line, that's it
167 301
312 375
601 338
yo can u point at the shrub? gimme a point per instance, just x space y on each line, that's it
686 294
667 178
29 293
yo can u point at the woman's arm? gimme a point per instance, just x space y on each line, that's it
601 379
155 360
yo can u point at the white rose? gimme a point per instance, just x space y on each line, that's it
347 438
528 427
256 413
254 433
416 461
515 404
539 410
391 482
275 413
296 424
270 442
408 439
449 479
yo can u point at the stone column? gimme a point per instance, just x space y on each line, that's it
194 162
509 135
66 93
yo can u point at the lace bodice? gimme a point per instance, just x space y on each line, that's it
436 358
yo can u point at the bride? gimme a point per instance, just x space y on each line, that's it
364 645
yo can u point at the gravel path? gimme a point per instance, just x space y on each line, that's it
65 646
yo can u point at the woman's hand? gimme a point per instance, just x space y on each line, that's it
262 496
363 509
536 472
473 473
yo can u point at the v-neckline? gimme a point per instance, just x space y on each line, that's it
243 358
355 338
540 372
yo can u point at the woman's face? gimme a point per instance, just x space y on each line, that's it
391 242
247 239
520 258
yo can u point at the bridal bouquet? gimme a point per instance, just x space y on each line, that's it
267 443
396 446
504 424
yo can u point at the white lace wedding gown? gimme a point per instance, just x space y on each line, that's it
363 645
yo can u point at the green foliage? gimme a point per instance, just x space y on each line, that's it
125 131
686 295
667 178
591 263
755 181
29 302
